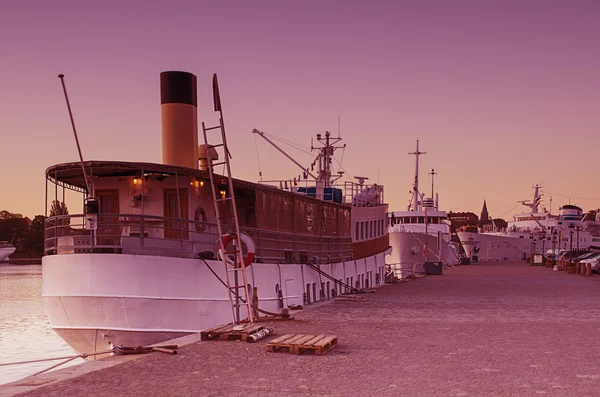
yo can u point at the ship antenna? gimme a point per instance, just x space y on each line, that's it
416 185
87 182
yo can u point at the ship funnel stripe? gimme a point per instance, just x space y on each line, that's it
178 87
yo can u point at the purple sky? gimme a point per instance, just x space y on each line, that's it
502 94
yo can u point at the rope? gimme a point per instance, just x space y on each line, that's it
257 158
289 143
235 293
342 284
361 298
117 349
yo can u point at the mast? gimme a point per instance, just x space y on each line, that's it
432 173
416 195
325 158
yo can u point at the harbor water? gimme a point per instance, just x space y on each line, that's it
25 332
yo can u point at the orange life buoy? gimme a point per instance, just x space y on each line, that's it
200 219
244 238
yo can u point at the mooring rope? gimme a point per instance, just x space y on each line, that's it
117 349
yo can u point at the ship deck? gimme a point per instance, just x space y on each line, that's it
479 330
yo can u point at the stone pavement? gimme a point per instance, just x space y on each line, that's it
504 329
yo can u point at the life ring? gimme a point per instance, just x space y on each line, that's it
245 239
200 219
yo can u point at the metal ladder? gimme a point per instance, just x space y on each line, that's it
228 199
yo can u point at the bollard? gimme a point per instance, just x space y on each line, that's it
588 270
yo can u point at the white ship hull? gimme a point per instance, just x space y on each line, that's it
483 247
513 246
408 252
133 300
6 252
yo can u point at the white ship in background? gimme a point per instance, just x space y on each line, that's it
421 233
531 232
6 250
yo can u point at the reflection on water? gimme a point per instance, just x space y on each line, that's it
25 333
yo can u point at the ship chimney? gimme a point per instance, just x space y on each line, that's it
179 119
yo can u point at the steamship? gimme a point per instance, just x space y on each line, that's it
528 233
420 234
149 258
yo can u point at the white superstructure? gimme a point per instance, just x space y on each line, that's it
419 234
532 232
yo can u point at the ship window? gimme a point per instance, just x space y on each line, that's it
421 219
362 230
370 229
356 232
407 219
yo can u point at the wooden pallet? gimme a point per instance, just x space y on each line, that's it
230 332
297 344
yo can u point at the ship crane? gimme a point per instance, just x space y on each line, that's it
324 158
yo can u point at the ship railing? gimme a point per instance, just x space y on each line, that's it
175 237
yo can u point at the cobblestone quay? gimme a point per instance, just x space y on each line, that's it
505 329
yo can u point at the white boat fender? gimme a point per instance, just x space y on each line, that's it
247 240
258 335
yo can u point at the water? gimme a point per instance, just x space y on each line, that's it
25 332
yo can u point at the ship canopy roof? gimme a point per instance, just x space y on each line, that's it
71 175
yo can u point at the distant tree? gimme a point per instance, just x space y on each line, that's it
59 208
35 236
13 227
500 223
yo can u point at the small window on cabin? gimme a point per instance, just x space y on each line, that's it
406 219
356 232
421 219
362 230
370 229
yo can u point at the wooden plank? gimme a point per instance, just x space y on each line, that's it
315 339
251 328
291 340
326 341
280 338
302 340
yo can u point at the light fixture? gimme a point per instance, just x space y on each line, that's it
137 181
223 193
196 183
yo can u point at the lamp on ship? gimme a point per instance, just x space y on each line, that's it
91 208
